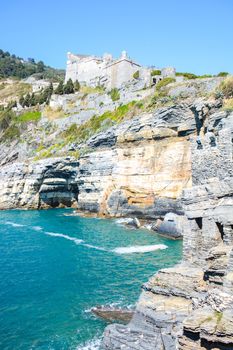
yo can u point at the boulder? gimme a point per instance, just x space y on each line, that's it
133 222
171 226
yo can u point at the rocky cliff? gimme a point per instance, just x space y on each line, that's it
138 167
166 152
43 184
190 306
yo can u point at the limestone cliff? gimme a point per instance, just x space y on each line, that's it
190 306
138 167
43 184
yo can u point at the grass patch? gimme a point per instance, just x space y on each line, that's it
218 315
228 105
52 114
81 133
13 90
226 88
55 150
164 82
92 90
28 117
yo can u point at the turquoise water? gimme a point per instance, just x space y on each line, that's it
55 267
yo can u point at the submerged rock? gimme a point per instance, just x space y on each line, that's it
113 314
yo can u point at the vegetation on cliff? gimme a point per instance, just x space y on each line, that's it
13 66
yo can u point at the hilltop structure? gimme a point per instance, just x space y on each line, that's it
110 72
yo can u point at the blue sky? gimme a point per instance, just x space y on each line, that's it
191 35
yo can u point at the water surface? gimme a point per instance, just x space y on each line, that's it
55 267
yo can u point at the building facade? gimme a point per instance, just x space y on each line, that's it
109 72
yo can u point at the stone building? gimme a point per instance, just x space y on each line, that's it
107 71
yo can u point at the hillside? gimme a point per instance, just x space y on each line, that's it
17 67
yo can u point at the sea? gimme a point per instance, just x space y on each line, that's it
55 266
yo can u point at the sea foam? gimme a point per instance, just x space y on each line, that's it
139 249
37 228
14 224
94 247
90 345
61 235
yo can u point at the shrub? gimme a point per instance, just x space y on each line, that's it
115 95
205 76
194 76
6 118
187 75
136 74
11 133
226 87
164 82
76 86
222 74
155 72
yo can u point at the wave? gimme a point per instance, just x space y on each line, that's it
119 250
139 249
37 228
94 247
61 235
93 344
13 224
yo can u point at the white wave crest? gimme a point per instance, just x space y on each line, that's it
90 345
75 240
14 224
139 249
94 247
61 235
37 228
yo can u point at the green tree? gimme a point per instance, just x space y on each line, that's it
40 67
76 86
59 89
222 74
69 87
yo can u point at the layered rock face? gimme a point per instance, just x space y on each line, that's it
138 167
141 166
42 184
190 306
